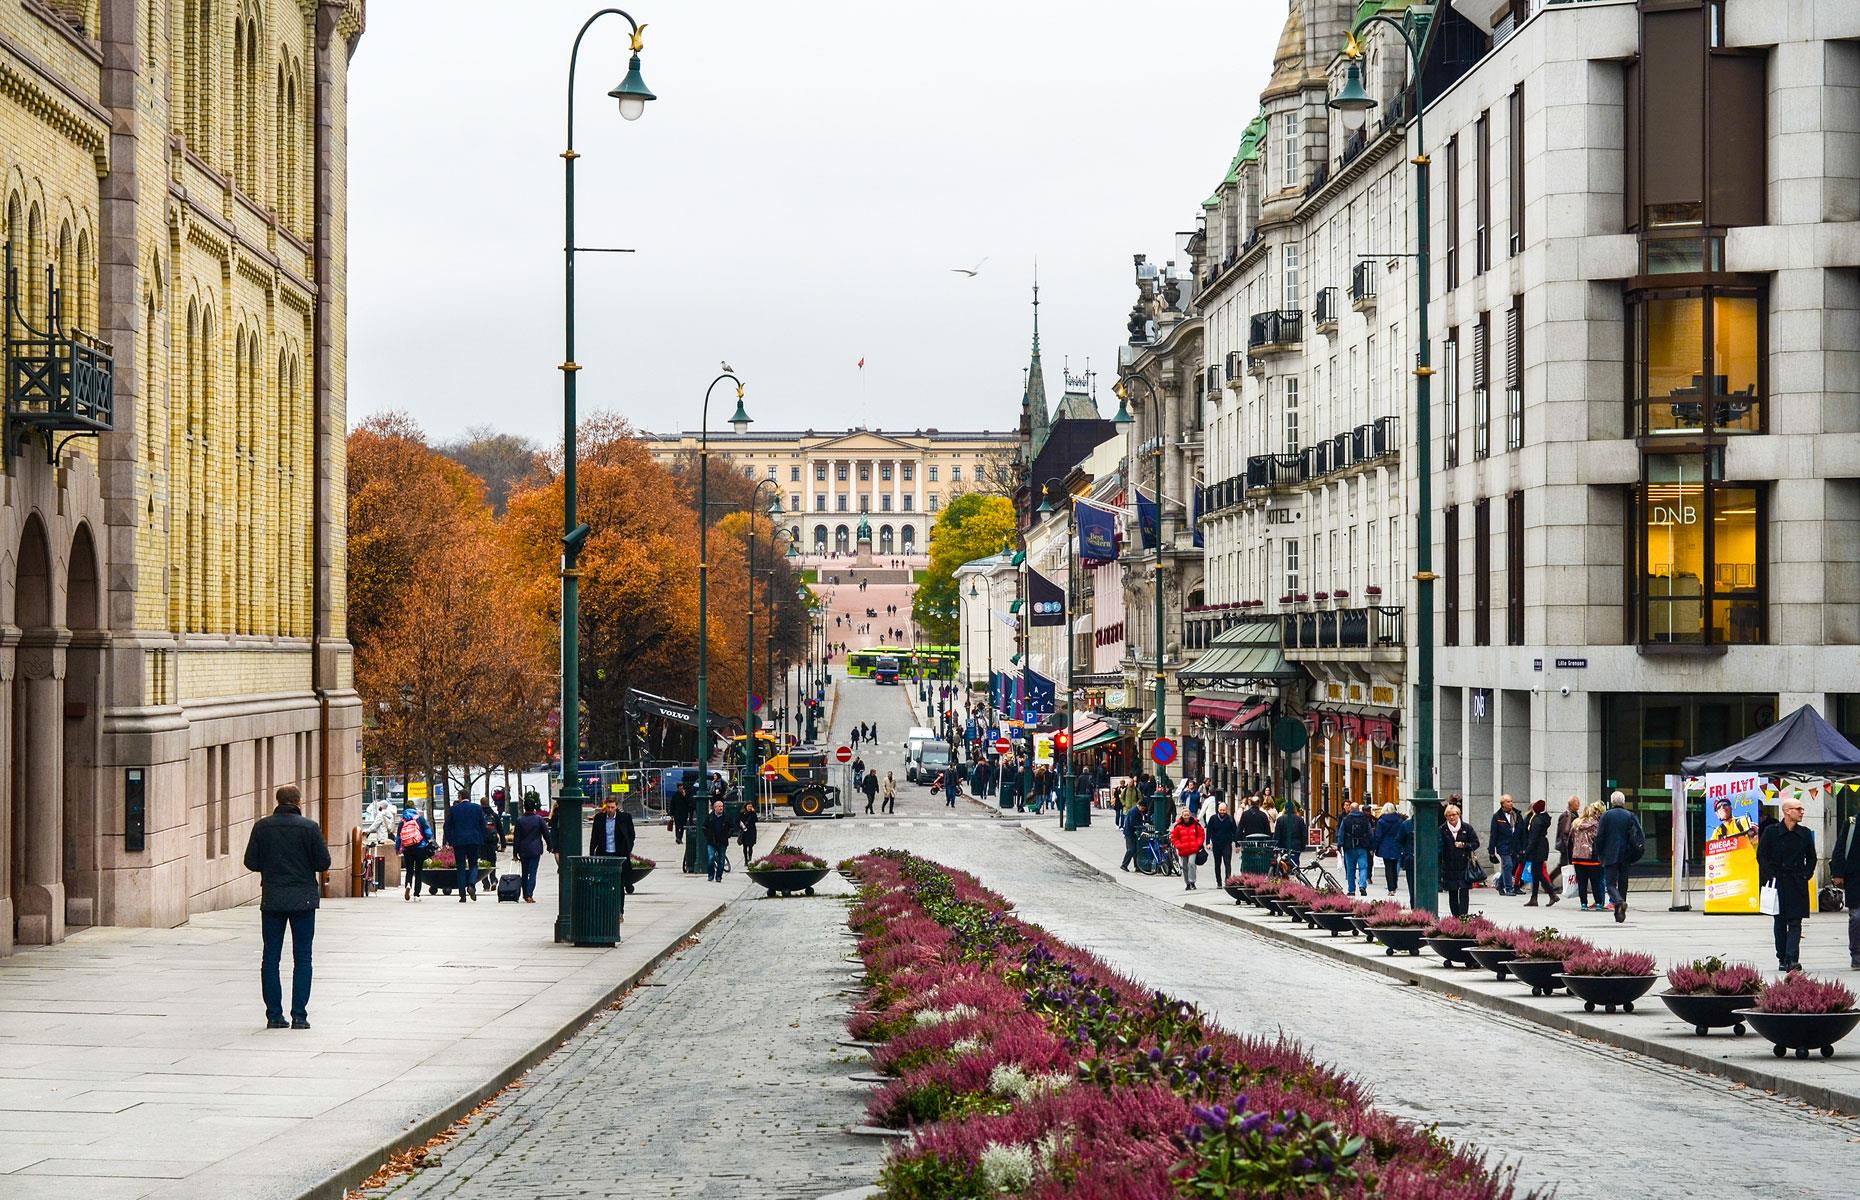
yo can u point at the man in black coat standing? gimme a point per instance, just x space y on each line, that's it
1290 833
1786 858
1253 819
1222 833
465 835
288 851
718 829
611 836
1844 869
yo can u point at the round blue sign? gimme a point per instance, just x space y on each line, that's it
1163 751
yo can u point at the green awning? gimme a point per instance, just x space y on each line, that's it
1015 606
1097 739
1020 556
1248 652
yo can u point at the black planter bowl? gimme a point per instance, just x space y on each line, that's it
1361 925
788 882
1608 992
1333 923
1452 950
1403 938
1294 910
1496 959
1269 903
1709 1011
635 874
1539 974
1802 1032
1241 895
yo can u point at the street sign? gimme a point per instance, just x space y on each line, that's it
1290 735
844 754
1163 752
755 702
769 776
1572 664
1002 745
416 790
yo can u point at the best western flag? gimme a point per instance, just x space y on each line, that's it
1046 598
1147 520
1097 533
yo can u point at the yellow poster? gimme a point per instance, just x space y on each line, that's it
1731 814
416 791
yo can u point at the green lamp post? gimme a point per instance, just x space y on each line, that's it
1353 104
750 749
631 94
694 849
1160 805
1069 813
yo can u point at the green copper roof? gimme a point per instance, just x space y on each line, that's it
1248 152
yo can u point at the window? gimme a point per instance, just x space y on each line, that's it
772 474
1514 569
865 472
1334 563
1450 627
1289 260
839 472
910 502
1482 203
1370 577
794 502
1699 361
820 472
1349 575
1291 566
1291 414
1453 211
933 480
1482 386
933 497
1450 395
1516 181
865 503
884 503
1288 151
910 472
820 502
842 503
1397 585
955 472
1371 368
1514 374
794 474
1482 572
884 471
1701 554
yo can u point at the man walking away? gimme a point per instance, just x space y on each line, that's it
1289 834
1507 826
415 838
1354 833
1786 859
1844 869
870 786
1133 833
717 830
681 811
1222 832
288 852
1388 845
1253 819
1458 844
533 837
465 834
1620 843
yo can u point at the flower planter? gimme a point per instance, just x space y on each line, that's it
1294 910
1802 1032
788 882
1269 903
1608 991
1707 1011
1240 894
1539 974
1452 950
1333 922
1403 938
1496 959
636 873
1361 925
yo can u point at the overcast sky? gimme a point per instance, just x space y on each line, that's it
797 197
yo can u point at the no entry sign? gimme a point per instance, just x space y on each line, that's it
755 702
769 775
1163 752
844 754
1002 745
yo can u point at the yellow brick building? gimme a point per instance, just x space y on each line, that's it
172 539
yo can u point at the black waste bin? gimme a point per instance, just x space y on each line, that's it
1255 855
596 892
1082 789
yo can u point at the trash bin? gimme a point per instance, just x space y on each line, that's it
596 892
1256 855
1081 801
1010 789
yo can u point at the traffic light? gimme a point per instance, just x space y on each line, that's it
1062 741
549 748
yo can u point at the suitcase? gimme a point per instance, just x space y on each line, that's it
509 887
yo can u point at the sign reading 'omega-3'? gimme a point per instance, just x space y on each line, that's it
1732 809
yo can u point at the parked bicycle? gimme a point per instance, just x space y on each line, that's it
1155 856
1312 875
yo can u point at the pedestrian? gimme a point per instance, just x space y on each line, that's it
465 835
854 737
681 812
379 825
952 785
746 831
1507 834
611 835
1536 853
1387 838
1565 842
1253 819
1620 843
1222 832
891 795
415 837
1786 862
288 852
1582 856
1844 870
870 786
858 768
1191 797
1133 830
1354 835
1290 832
533 838
493 842
717 830
1458 844
1188 837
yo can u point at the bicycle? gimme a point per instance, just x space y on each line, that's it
1155 856
1313 876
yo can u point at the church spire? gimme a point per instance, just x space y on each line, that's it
1033 402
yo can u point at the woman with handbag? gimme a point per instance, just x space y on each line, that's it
1537 853
1458 844
1582 856
1188 838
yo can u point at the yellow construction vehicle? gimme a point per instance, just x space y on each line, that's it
800 774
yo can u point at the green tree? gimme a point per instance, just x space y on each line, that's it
974 525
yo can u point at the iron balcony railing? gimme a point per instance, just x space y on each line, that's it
1360 443
58 380
1363 283
1281 327
1371 627
1387 436
1324 311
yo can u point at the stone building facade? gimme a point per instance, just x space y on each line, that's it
171 589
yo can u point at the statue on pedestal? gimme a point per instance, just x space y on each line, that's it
864 540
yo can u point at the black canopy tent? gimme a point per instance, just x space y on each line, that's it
1802 743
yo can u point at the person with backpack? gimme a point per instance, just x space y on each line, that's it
1387 837
1354 834
533 837
1619 843
415 839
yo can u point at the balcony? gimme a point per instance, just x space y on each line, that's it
1376 631
1274 471
58 381
1363 286
1340 452
1324 312
1386 436
1276 331
1361 439
1236 366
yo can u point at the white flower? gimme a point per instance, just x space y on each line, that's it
967 1045
937 1016
1010 1081
1007 1168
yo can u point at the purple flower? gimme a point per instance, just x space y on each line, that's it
1155 1055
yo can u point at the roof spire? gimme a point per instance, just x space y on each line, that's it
1033 400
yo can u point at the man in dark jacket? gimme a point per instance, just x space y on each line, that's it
1786 858
718 829
680 811
1618 844
611 836
1844 869
465 834
1253 819
1505 843
1223 831
1354 834
288 851
533 838
1290 833
869 785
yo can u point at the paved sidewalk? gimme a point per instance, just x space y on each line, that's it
1670 936
135 1062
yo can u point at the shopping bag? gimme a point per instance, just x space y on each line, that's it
1769 903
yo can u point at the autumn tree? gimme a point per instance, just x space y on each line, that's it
973 525
504 461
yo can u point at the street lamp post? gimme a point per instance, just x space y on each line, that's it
694 850
632 95
1353 105
1156 455
749 662
988 619
1068 817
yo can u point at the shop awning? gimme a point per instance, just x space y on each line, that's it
1247 719
1105 735
1088 731
1247 653
1214 710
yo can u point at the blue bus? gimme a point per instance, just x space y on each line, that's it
885 670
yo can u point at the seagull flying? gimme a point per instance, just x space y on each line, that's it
971 272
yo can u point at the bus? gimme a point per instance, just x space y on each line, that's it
936 662
932 662
885 670
860 664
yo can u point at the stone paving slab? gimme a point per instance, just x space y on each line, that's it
1651 1030
134 1063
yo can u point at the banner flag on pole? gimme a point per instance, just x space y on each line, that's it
1148 520
1097 533
1048 600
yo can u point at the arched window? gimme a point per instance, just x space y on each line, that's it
186 606
884 539
841 544
66 278
820 539
32 281
197 76
246 99
82 290
909 538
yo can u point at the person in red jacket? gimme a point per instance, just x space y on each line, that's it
1188 837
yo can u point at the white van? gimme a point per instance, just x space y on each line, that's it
914 742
